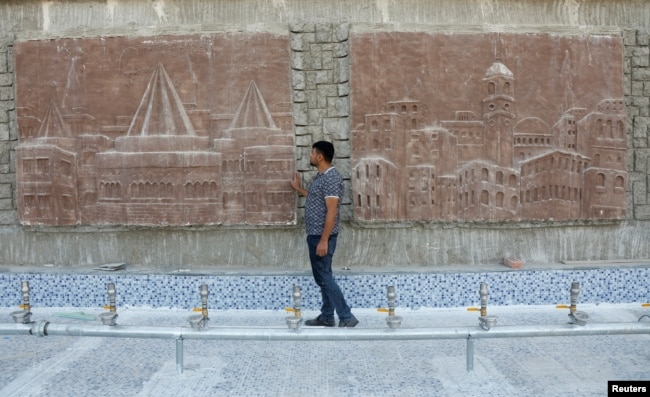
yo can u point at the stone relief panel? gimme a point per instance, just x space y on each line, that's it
166 130
487 127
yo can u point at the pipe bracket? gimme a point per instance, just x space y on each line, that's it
487 322
578 318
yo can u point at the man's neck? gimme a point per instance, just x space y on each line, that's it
323 166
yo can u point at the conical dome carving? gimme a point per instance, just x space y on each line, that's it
252 111
161 111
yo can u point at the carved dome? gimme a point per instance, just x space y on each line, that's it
498 69
532 125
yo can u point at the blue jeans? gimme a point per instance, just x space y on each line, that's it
321 268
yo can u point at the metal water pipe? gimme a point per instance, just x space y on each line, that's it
45 328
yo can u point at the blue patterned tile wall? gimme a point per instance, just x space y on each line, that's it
273 292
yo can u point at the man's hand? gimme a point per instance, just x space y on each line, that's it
321 248
295 181
297 186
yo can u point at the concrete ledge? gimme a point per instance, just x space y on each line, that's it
375 247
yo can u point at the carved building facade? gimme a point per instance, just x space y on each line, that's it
492 167
156 168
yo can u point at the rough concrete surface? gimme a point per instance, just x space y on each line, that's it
540 366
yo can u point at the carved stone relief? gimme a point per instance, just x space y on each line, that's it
166 130
487 127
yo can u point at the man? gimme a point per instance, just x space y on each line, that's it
322 225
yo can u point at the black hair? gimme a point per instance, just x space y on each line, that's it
326 149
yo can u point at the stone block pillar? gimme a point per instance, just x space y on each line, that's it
8 136
320 74
637 97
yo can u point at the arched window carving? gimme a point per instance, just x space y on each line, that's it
485 197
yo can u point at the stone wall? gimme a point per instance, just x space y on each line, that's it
8 136
637 95
319 39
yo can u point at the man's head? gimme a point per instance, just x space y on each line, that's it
324 149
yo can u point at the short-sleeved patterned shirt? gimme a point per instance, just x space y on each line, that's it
327 184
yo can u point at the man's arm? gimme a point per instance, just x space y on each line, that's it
332 205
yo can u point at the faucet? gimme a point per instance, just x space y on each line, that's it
392 320
297 295
577 317
390 295
111 297
204 301
23 316
293 322
200 321
486 322
575 291
24 289
484 292
108 318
